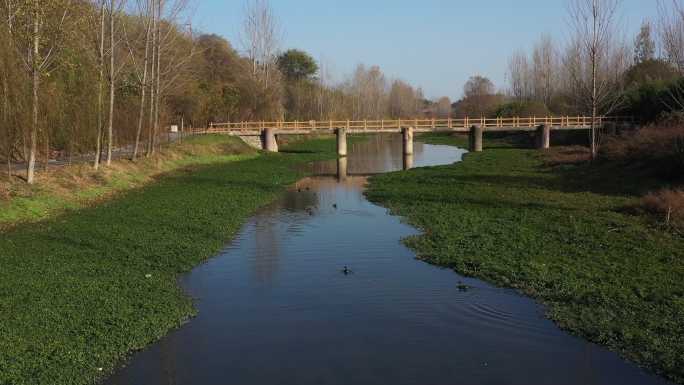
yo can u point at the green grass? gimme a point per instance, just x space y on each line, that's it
81 290
561 235
74 187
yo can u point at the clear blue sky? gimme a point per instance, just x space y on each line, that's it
436 44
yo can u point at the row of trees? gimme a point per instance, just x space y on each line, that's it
80 76
597 72
91 76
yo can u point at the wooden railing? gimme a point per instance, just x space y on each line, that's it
463 124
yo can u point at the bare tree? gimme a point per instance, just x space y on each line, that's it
594 43
9 83
520 76
671 30
403 100
146 15
176 48
260 38
112 81
39 35
478 86
544 62
443 107
644 45
153 67
157 81
100 88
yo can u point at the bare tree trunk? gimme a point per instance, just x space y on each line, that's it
5 120
594 146
155 48
5 96
100 93
112 85
182 128
141 116
594 94
157 103
47 150
33 135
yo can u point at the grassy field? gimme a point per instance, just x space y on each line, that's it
78 186
565 235
82 289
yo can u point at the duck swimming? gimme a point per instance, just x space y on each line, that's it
346 271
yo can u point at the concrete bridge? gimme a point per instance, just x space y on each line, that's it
264 134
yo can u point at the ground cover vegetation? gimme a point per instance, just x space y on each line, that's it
569 234
79 291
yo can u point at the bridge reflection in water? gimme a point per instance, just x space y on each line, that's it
377 154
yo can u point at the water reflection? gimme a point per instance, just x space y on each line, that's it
382 153
274 307
342 166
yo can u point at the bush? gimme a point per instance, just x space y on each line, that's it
4 192
647 101
666 204
649 71
658 148
565 155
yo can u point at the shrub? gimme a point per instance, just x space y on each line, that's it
658 148
666 204
567 155
4 192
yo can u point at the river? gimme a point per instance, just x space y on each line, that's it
276 308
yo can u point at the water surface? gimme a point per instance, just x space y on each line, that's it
274 307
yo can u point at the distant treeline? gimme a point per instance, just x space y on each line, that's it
598 69
88 76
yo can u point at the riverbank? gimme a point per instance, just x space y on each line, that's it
80 290
565 235
70 187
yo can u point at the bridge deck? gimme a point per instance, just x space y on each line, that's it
419 125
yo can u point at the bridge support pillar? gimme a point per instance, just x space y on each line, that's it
476 138
268 140
341 141
544 137
407 162
407 140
